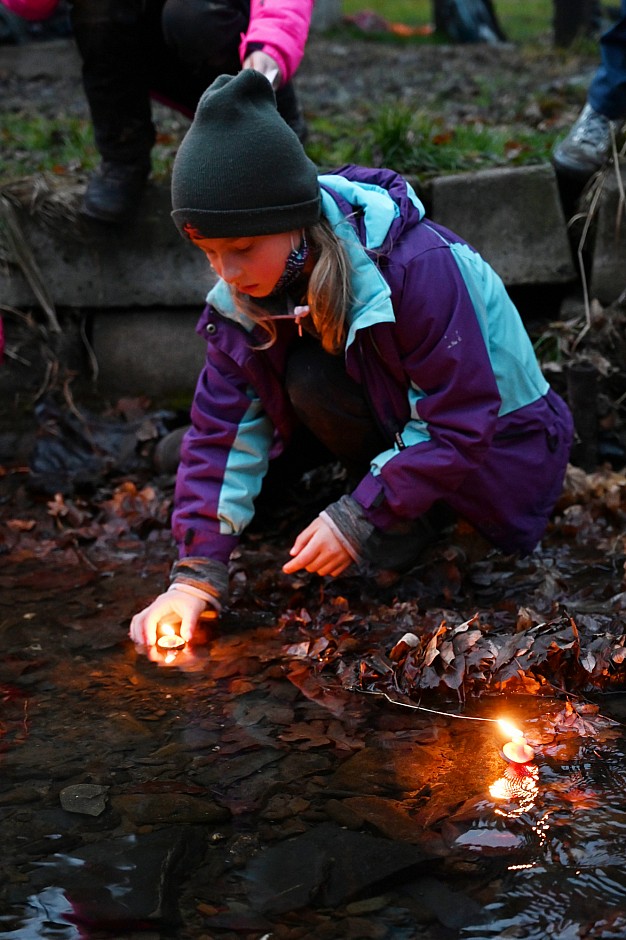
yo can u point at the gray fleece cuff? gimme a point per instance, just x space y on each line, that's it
206 575
347 517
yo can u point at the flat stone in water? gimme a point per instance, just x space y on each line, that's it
326 865
491 840
86 798
376 770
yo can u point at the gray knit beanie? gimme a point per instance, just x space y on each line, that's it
241 169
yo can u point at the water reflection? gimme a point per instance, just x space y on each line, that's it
518 787
44 915
575 885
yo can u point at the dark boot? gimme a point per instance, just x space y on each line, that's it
113 42
167 451
392 554
114 191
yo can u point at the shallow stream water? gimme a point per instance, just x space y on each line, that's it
218 800
252 789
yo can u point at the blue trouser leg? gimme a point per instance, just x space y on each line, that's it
607 92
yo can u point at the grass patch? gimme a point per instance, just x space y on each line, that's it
508 131
419 144
33 143
521 21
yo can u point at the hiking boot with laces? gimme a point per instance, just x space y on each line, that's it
114 190
587 146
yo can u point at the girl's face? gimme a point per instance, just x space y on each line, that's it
253 264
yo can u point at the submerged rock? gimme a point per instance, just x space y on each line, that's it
87 798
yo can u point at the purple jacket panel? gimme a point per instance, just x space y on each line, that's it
221 398
527 462
435 344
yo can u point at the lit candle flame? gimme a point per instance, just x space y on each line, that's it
509 728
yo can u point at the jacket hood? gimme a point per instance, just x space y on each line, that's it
387 201
386 204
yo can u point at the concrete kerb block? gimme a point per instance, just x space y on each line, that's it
152 352
87 264
608 267
141 287
57 57
513 217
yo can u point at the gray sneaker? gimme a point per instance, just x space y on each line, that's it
587 146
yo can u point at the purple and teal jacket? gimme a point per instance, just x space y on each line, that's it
448 368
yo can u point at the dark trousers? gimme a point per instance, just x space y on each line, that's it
333 406
168 49
334 410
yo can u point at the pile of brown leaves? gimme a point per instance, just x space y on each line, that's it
468 659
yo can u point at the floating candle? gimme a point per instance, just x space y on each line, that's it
168 637
170 642
517 750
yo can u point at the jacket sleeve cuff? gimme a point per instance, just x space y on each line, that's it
347 520
206 576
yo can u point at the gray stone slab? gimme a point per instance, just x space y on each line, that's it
87 264
56 57
608 271
513 216
148 352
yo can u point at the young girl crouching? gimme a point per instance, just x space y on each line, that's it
339 307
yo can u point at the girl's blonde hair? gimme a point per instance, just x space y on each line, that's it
328 295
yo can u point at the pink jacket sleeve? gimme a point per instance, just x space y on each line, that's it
32 9
282 27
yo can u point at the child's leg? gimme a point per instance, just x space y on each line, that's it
111 41
332 406
336 411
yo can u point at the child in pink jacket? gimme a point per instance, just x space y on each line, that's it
171 50
32 10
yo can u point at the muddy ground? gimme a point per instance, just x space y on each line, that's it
344 74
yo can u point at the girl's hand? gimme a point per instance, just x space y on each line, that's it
262 62
318 550
175 604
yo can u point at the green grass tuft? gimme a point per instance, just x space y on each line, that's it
420 144
43 144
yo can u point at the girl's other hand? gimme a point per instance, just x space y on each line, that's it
318 550
177 605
